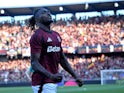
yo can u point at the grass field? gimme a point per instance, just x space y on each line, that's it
75 89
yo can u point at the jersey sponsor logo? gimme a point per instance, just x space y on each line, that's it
53 49
49 39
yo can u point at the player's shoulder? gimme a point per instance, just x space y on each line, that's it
36 37
37 33
56 32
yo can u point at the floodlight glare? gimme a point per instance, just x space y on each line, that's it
116 4
2 11
61 8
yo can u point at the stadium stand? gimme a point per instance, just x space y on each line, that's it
81 39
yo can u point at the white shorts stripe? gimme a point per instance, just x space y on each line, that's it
47 88
36 88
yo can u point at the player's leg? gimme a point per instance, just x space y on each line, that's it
49 88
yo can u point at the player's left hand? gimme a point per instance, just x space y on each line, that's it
79 82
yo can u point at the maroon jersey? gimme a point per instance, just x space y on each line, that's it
49 45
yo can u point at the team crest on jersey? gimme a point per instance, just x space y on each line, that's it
58 38
49 39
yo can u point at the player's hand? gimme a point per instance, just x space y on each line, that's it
56 77
79 82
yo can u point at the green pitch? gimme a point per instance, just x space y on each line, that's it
84 89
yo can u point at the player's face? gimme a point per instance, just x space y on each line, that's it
45 17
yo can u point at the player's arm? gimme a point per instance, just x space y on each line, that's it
65 64
40 69
37 66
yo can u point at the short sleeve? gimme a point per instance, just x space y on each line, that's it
35 43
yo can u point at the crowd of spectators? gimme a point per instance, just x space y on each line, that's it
87 68
14 38
91 32
14 71
75 33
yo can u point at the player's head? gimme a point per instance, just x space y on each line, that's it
43 16
40 16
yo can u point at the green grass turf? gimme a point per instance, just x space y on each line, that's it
75 89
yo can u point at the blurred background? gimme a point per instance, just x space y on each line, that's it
92 33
